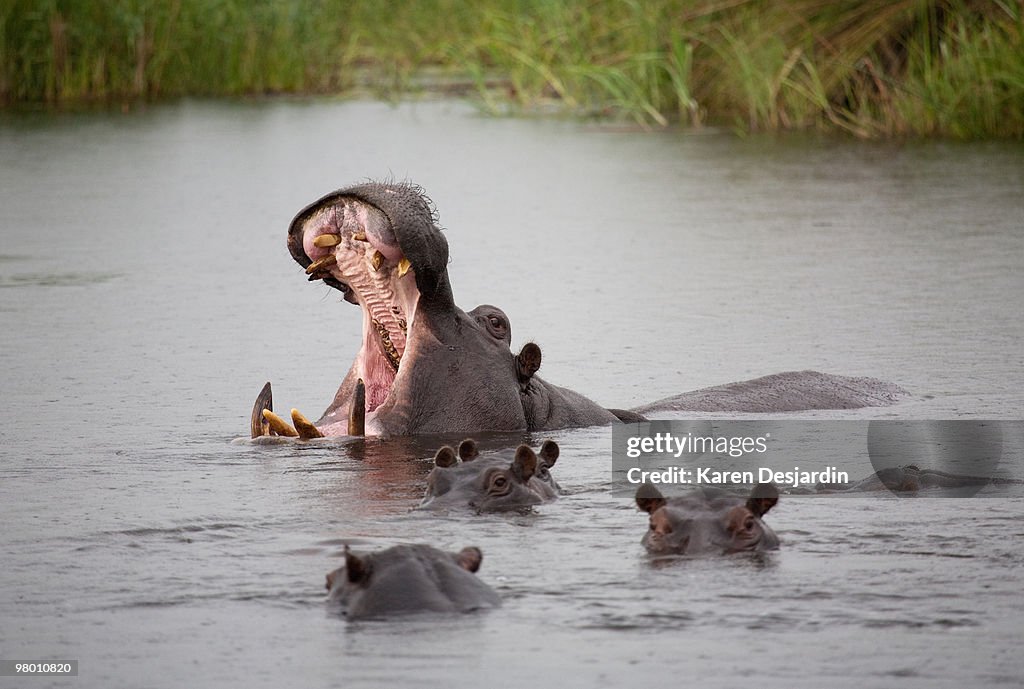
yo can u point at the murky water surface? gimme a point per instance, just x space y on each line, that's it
146 295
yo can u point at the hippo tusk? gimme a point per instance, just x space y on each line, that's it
403 266
376 259
265 400
279 425
304 426
357 410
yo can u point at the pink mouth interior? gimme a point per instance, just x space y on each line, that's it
388 300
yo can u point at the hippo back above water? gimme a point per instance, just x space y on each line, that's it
427 366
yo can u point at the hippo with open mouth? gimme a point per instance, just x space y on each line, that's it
427 366
708 521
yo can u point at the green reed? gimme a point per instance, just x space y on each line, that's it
873 68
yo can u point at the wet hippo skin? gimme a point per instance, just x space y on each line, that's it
496 482
427 366
408 579
707 521
910 478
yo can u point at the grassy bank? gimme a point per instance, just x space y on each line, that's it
874 68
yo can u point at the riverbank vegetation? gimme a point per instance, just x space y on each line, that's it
873 68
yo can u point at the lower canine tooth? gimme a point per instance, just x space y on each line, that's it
265 400
325 241
357 410
403 266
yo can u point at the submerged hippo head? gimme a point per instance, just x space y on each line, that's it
427 365
410 578
494 483
708 521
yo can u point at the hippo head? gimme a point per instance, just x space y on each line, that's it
491 484
409 578
708 521
427 366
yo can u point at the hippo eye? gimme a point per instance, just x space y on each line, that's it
749 523
542 472
495 324
499 484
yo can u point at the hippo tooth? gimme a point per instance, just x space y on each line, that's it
265 400
376 259
359 237
326 241
394 358
357 410
321 262
304 426
279 425
403 266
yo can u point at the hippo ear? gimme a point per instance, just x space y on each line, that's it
524 466
762 498
549 453
356 569
527 362
330 578
469 558
649 499
445 457
468 450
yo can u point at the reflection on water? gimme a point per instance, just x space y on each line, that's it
152 297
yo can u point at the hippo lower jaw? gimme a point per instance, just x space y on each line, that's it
384 288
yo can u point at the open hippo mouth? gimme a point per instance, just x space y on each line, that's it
378 245
351 247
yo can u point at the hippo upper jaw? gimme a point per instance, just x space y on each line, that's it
378 244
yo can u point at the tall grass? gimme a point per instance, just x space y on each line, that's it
873 68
